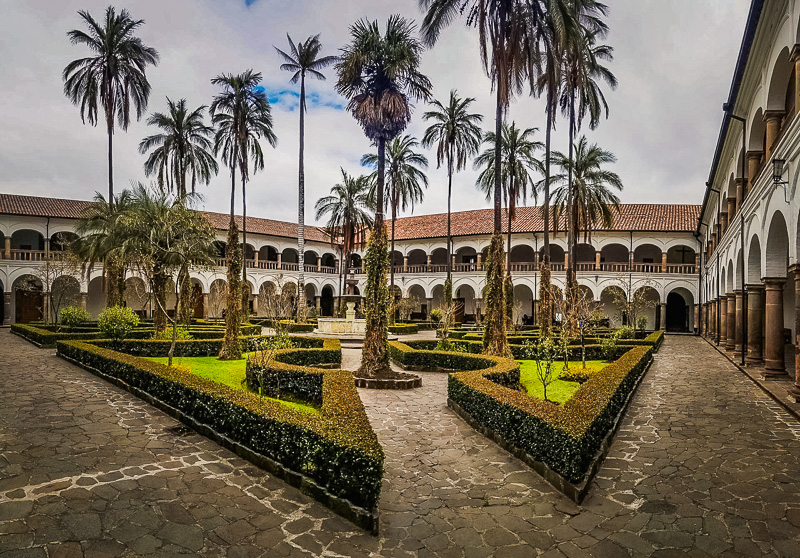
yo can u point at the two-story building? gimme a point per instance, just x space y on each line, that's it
650 247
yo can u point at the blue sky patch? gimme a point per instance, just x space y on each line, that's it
289 98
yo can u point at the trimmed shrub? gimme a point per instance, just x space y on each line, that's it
181 334
336 447
117 322
564 437
294 327
72 316
404 329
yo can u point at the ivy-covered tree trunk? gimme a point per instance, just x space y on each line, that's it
185 298
375 353
545 315
160 296
495 342
115 281
233 305
508 287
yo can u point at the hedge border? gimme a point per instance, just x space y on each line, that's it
342 427
564 443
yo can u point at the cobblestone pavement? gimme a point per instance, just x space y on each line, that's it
704 465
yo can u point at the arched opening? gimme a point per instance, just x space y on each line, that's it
28 299
96 296
420 309
289 257
310 260
27 245
267 257
681 259
614 257
439 257
754 272
780 98
267 303
326 301
198 302
136 296
249 254
522 258
610 301
466 259
60 241
417 258
396 259
311 295
585 257
647 306
755 145
465 304
2 299
329 262
217 299
437 296
289 292
777 247
556 257
355 261
523 305
647 258
679 310
65 291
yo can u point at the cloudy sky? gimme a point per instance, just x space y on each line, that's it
674 61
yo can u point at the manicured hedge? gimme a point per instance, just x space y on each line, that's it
336 447
47 335
564 437
404 329
593 352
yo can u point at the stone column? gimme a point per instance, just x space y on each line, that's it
7 306
479 259
336 306
7 248
205 306
429 259
795 270
596 261
566 260
663 262
453 262
405 262
755 324
722 334
738 320
696 318
47 246
794 58
255 305
773 321
723 223
84 300
319 262
739 194
773 120
318 304
663 324
711 320
730 320
753 161
255 259
731 209
279 260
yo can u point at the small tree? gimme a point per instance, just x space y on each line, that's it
217 298
55 276
448 319
632 305
544 352
276 302
406 306
586 312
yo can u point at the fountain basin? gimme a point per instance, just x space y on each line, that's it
336 326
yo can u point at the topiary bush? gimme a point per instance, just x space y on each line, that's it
182 334
72 316
117 322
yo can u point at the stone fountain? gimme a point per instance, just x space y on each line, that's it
338 326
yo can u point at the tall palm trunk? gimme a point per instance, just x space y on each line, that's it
391 259
546 205
230 346
498 127
245 288
110 163
301 207
449 233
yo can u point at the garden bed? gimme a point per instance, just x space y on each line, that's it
564 443
333 455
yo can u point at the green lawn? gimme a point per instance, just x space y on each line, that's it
228 372
559 391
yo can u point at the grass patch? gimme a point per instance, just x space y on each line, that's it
227 372
559 391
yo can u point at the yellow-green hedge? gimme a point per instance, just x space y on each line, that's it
336 447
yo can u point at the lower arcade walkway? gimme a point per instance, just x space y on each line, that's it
705 465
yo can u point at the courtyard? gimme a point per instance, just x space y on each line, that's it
705 464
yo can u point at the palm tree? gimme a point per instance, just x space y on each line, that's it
404 187
242 117
101 235
183 145
114 76
348 216
380 75
303 59
504 30
518 163
580 92
457 135
594 202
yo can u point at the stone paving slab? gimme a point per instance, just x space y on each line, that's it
705 464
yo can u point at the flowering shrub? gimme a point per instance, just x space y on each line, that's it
73 315
117 322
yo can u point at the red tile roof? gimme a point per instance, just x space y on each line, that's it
73 209
630 217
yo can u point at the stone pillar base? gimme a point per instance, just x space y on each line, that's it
795 392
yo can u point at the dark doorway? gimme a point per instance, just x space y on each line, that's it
28 306
197 295
677 313
326 301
